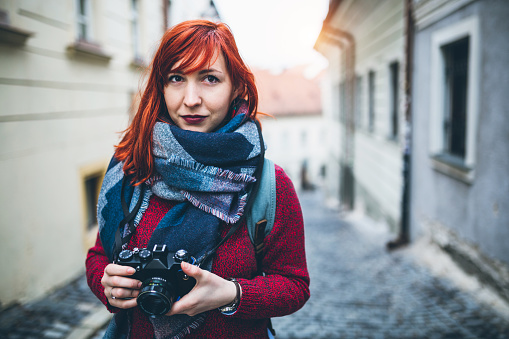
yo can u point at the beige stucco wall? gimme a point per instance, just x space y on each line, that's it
59 119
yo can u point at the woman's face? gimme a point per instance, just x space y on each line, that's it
199 101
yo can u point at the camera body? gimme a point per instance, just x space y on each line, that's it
163 281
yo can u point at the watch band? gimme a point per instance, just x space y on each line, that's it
232 307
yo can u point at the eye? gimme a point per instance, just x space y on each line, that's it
211 79
175 78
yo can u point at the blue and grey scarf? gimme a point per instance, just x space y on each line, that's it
208 174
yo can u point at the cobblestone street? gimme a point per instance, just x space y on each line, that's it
358 290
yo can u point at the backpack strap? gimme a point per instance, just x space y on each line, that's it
260 218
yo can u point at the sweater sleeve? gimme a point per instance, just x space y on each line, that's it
285 287
95 264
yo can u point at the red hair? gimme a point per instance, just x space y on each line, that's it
194 43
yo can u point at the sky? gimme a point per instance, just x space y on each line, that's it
276 34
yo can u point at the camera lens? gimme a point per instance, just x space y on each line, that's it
156 297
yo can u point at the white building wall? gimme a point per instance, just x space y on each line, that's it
378 30
330 109
291 141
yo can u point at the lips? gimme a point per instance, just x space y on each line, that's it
193 119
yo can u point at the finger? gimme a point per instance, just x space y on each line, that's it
191 270
123 303
124 293
118 281
184 306
113 269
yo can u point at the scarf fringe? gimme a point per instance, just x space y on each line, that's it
215 212
211 170
143 207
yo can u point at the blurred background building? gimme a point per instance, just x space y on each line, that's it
416 108
460 133
294 135
364 43
69 74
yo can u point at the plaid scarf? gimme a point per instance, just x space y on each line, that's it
207 173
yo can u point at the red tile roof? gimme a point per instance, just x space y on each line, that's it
288 93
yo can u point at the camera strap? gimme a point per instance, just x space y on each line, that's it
252 196
120 240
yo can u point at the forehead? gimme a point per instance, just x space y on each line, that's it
200 62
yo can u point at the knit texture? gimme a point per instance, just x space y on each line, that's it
283 290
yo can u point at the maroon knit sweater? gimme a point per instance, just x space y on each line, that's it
283 290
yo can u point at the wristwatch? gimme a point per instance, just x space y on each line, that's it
232 307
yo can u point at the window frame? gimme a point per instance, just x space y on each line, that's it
84 19
441 160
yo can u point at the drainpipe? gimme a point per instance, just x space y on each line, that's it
345 40
404 233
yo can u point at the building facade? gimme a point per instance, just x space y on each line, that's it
294 131
460 133
69 77
363 92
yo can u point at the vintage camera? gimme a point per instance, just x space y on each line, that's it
163 281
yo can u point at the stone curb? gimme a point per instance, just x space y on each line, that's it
97 319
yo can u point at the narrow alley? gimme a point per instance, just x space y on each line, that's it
358 290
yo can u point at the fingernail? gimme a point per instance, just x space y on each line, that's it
131 270
184 264
139 284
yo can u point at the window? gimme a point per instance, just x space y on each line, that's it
135 28
85 47
90 177
84 20
394 99
92 188
167 14
358 100
454 95
371 101
342 102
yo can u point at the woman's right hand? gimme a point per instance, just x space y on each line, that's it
120 290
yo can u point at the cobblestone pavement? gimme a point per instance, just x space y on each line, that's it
358 290
70 312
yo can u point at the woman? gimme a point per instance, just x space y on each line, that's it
187 166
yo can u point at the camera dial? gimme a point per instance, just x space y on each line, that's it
145 254
125 255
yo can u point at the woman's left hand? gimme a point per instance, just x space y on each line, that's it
210 292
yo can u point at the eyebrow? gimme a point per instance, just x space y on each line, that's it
203 71
209 70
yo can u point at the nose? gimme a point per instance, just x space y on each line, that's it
192 95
